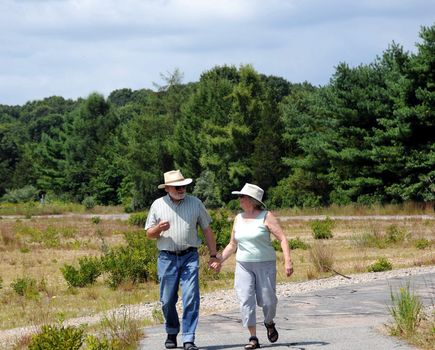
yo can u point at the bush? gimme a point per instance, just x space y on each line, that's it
58 338
138 219
297 243
380 265
25 287
1 282
221 226
137 262
96 220
88 272
297 190
89 202
395 234
276 245
322 229
24 194
293 243
421 243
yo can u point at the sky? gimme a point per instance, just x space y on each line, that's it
72 48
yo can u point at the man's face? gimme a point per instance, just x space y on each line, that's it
177 193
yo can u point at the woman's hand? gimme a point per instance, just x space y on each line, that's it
215 264
288 269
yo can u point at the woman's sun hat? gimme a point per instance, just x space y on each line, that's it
174 178
252 191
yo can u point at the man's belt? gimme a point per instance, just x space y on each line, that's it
180 252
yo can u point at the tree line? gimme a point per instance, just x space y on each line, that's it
368 136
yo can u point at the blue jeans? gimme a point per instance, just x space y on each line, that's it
174 271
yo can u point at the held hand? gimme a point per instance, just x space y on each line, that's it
215 264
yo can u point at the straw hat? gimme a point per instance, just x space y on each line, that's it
174 178
252 191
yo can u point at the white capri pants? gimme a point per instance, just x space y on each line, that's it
255 283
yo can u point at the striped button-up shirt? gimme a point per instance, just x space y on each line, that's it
183 217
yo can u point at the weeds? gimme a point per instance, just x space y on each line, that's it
25 287
157 315
121 329
406 311
322 257
421 243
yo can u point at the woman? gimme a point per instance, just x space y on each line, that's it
255 275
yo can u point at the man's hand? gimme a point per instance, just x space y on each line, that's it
155 231
163 225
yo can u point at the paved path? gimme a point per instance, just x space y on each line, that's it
343 318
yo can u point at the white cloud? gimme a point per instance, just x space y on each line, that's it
74 47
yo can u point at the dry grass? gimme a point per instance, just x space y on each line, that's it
38 248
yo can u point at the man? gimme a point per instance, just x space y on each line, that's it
173 220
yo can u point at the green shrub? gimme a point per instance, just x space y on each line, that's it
136 262
293 243
295 191
88 272
24 194
138 219
276 245
371 240
58 338
380 265
25 286
297 243
322 229
395 234
221 226
89 202
1 282
96 220
50 237
406 311
100 343
421 243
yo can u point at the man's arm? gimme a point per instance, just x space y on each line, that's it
210 241
155 231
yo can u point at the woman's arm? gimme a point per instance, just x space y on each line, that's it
274 227
230 248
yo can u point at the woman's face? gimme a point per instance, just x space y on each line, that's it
245 202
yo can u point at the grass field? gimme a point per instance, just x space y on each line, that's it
37 248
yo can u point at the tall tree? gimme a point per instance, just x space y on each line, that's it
91 128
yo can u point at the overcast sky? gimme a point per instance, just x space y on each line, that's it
71 48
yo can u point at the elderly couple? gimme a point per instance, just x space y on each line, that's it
173 221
